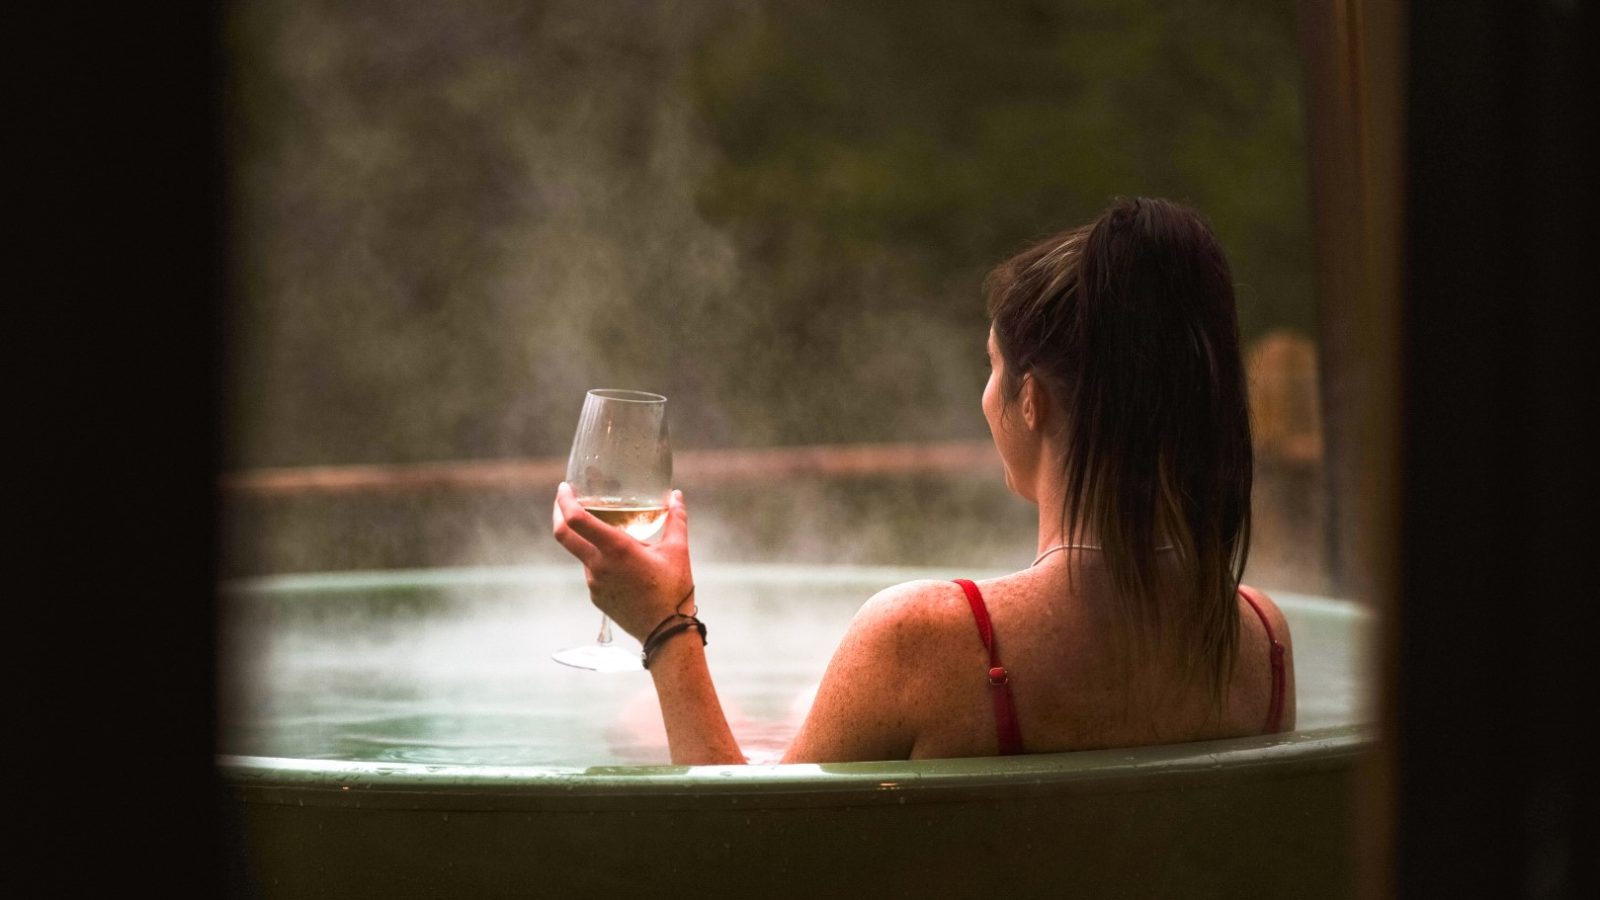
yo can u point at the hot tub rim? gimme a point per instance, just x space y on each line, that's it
340 783
706 575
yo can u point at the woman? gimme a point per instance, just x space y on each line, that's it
1116 398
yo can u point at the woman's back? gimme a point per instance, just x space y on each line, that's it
1069 684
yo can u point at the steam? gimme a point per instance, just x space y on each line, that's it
452 221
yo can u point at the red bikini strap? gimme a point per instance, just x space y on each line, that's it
1005 708
1275 707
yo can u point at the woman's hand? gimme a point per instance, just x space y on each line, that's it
634 583
638 585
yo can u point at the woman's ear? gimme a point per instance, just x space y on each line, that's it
1034 402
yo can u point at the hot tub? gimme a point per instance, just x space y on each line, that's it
406 734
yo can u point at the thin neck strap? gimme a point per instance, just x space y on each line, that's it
1059 547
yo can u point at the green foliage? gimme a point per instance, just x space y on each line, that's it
937 137
877 158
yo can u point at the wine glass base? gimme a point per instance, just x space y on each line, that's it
599 658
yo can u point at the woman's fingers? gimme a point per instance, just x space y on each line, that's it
677 527
568 539
607 541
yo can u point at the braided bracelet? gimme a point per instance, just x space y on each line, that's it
672 625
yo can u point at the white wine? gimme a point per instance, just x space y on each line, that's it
619 468
642 522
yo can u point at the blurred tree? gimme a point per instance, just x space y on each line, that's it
450 220
878 157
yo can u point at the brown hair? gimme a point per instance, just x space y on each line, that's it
1130 326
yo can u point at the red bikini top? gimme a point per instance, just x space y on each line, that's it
1005 705
1275 706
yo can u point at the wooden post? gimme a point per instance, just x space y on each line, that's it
1355 83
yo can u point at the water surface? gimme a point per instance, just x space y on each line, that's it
452 666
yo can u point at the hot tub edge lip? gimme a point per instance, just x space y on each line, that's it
292 583
345 783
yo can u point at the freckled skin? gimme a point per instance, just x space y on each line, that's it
909 679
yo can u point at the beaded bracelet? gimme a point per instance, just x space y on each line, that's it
675 624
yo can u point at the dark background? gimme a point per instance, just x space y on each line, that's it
1498 495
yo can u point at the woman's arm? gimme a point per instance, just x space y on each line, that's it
869 701
638 585
857 713
697 730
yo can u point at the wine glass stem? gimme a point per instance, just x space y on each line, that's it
604 639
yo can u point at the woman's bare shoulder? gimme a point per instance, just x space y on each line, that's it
1275 617
869 703
907 611
912 598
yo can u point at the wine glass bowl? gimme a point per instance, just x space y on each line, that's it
620 471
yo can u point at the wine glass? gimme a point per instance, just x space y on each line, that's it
620 470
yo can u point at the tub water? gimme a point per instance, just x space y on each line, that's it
407 734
